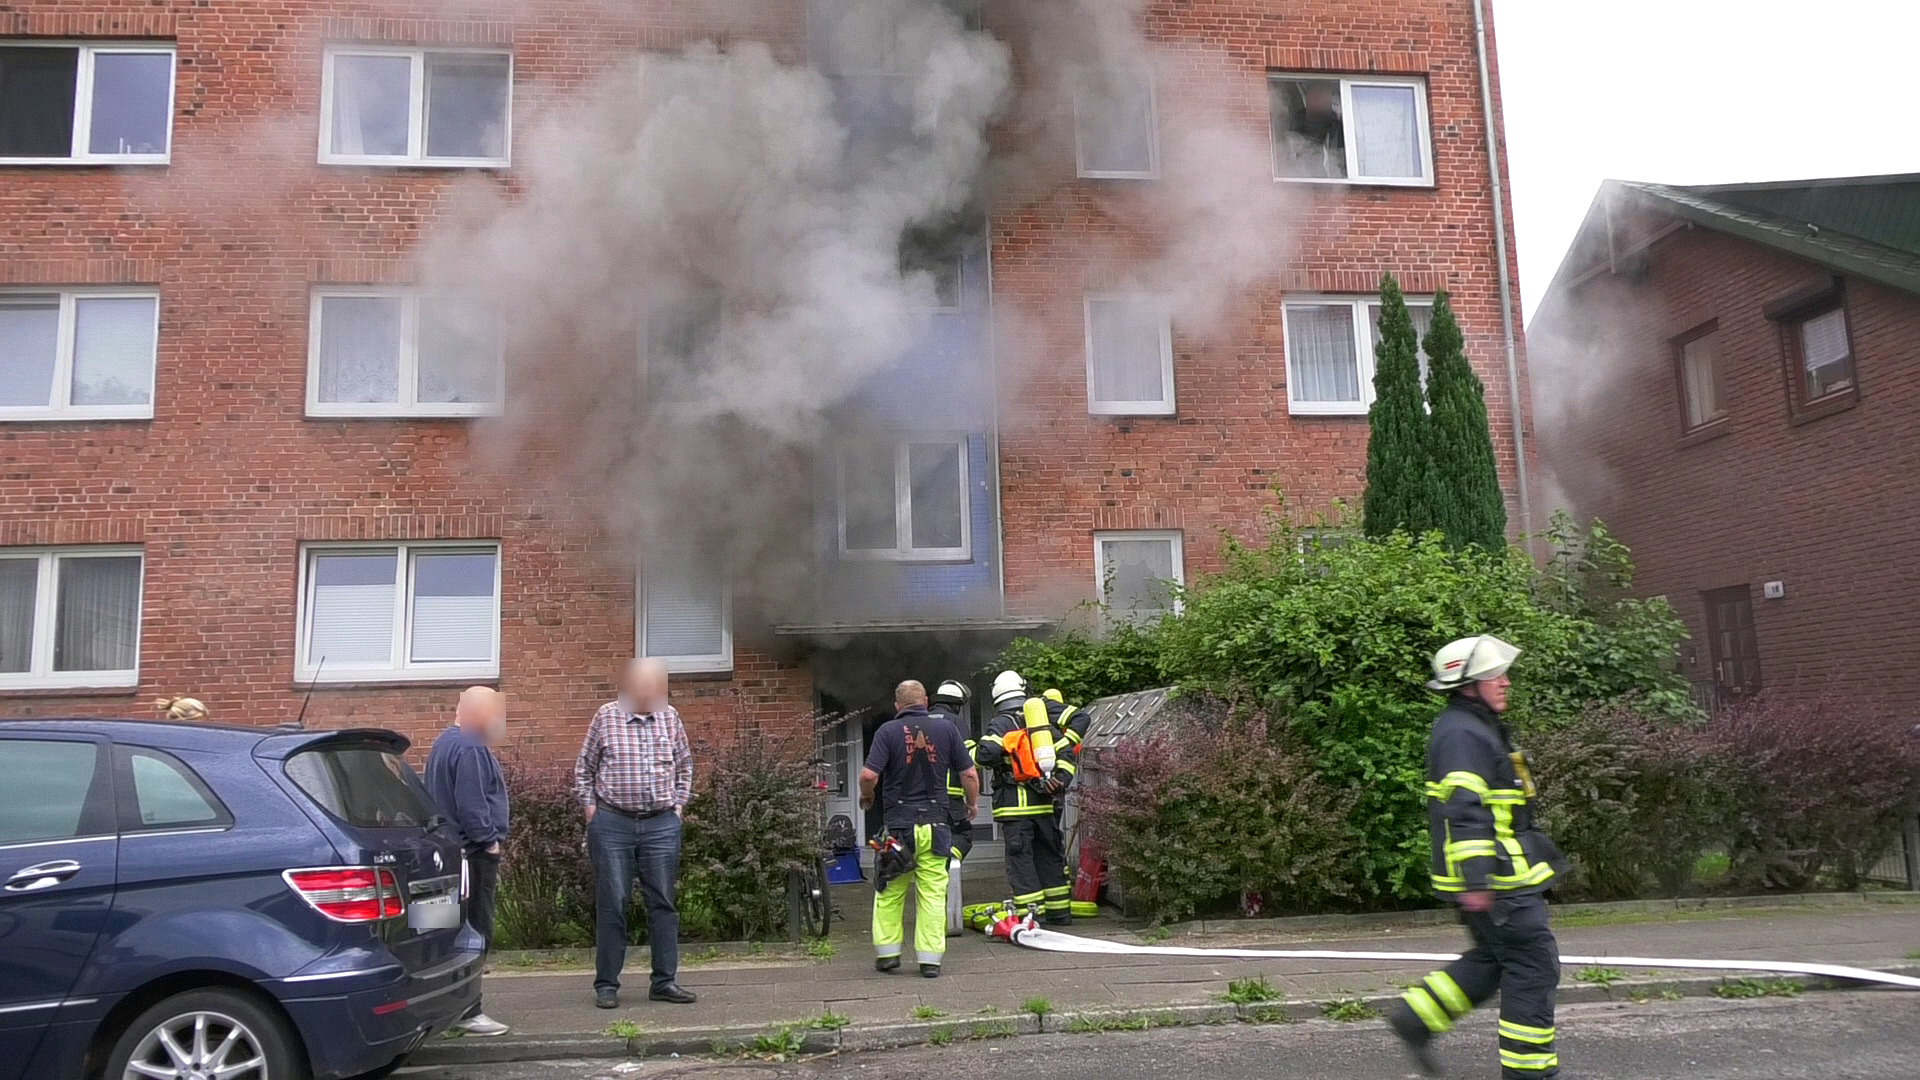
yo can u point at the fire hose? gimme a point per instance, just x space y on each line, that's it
1021 932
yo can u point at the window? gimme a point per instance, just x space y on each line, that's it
158 791
85 104
681 345
686 609
1137 572
392 106
906 500
939 254
364 785
1330 351
1129 356
869 37
1824 350
396 352
1734 645
1114 127
51 786
1357 130
69 617
386 612
1701 398
78 354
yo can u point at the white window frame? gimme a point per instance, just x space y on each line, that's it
1165 406
706 664
400 668
62 407
1422 119
903 503
1362 356
408 404
1152 171
40 674
1103 537
83 101
416 155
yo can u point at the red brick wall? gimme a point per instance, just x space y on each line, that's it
229 477
1824 506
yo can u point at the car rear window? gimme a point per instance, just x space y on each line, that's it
362 785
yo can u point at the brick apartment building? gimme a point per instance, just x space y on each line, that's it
1742 390
230 446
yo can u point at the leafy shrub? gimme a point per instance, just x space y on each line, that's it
546 879
1207 808
1819 788
1082 667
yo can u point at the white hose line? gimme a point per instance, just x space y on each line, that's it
1054 941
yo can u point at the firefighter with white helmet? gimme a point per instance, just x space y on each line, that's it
1027 778
1490 859
953 699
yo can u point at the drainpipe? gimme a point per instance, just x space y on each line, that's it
1506 275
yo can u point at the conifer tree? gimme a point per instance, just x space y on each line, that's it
1469 507
1400 484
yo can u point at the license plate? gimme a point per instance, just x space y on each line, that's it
436 913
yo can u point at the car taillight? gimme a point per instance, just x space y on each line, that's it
351 894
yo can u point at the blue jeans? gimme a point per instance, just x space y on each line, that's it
625 847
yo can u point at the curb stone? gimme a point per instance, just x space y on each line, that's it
700 1042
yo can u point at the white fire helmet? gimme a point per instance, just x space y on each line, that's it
953 692
1008 685
1472 659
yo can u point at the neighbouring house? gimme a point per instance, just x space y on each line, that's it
237 447
1729 376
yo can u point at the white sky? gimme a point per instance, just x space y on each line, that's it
1696 92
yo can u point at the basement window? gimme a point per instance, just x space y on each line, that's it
686 610
85 104
1331 341
398 106
1371 130
393 351
906 501
1139 572
1115 126
78 354
69 617
1129 355
398 612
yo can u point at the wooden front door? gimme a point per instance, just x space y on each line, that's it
1734 645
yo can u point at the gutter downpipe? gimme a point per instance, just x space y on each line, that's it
1506 275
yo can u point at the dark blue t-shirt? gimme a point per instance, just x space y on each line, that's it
913 754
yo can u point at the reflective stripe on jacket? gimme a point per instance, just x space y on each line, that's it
1478 792
1011 799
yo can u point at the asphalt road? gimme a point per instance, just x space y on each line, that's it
1822 1036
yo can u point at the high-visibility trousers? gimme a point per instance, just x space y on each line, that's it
1036 864
928 881
1514 953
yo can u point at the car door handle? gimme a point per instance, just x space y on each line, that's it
44 876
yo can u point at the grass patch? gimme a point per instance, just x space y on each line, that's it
1349 1010
927 1012
781 1044
1095 1025
820 949
624 1030
1757 988
1914 955
1269 1014
1038 1006
1640 995
1602 977
998 1029
940 1036
830 1021
1155 934
990 1010
1250 991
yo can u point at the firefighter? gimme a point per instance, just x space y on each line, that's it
1069 732
1018 747
1490 860
951 699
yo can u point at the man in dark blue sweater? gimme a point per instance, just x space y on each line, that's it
464 778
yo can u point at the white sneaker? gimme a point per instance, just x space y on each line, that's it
480 1025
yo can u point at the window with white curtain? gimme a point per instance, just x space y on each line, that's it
69 617
1826 354
1356 130
906 500
1129 355
388 612
686 609
1138 571
1115 127
83 354
85 104
1700 392
1330 351
381 105
380 351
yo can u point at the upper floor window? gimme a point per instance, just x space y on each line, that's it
1115 127
78 354
1823 347
384 612
1331 342
393 351
681 345
381 105
905 500
686 610
85 104
864 38
1360 130
1129 356
69 617
1701 396
1139 572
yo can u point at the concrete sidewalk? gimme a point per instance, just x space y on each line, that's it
993 980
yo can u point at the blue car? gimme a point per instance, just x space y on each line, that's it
190 902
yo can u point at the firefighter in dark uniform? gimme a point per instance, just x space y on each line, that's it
1490 860
1018 747
1070 724
951 699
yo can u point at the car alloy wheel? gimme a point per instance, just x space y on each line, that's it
199 1045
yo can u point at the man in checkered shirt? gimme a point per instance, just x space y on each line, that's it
633 779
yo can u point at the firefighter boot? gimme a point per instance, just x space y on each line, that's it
1416 1038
